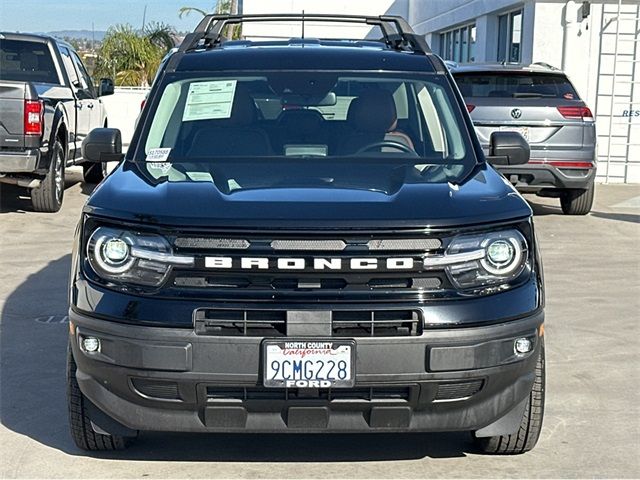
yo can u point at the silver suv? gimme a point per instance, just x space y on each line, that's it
540 103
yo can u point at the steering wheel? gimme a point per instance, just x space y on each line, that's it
389 144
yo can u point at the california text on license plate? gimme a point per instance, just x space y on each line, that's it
309 363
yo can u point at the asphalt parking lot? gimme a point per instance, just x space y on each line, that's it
592 422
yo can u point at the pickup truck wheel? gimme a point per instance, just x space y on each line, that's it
531 424
84 436
577 202
94 172
48 196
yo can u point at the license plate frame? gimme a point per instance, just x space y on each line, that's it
305 344
524 131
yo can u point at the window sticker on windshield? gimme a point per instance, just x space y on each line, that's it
209 100
158 155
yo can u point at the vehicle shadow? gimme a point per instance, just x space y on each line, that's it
33 403
540 209
618 217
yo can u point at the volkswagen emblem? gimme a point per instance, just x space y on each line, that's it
516 113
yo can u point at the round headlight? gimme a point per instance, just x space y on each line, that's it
111 252
503 255
500 252
115 250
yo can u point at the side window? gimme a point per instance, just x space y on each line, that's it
160 135
68 66
85 79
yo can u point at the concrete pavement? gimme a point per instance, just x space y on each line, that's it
592 423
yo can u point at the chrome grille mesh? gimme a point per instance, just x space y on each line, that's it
211 243
318 245
415 244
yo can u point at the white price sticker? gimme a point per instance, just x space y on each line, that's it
209 100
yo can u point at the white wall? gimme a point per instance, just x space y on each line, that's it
334 30
123 108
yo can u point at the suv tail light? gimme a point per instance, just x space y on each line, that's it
580 113
33 117
470 107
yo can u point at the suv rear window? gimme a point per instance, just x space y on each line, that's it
26 61
515 85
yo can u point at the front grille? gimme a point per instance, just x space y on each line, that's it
301 265
458 390
305 283
233 323
376 323
337 394
273 323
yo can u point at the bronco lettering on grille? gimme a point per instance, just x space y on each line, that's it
263 263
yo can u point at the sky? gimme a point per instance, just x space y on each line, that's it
52 15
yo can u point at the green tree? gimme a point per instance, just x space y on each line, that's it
131 57
221 6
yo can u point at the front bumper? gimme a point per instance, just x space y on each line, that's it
25 161
169 379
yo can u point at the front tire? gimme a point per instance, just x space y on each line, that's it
577 202
531 424
82 432
48 196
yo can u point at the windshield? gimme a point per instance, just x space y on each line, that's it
300 128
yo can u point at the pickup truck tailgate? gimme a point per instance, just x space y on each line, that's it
12 96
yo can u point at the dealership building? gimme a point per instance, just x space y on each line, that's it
595 42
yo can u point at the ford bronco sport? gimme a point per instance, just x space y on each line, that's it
306 236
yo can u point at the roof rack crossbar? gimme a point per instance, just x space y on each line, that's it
397 33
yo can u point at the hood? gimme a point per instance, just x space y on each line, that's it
485 197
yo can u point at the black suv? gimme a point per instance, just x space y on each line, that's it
305 236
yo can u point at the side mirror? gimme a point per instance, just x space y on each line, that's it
508 148
106 87
102 145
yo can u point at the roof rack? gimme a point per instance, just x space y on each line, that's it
397 33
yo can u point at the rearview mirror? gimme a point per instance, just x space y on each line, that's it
508 148
102 145
106 87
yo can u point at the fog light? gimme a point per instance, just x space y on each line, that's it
91 344
522 345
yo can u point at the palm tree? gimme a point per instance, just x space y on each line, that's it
221 6
131 56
